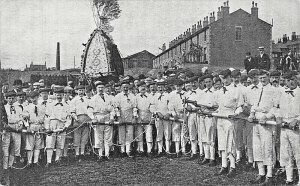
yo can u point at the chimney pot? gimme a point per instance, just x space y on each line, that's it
255 4
219 9
224 3
228 3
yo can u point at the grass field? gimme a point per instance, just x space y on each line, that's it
125 171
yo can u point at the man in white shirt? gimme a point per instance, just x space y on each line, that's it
144 115
289 115
102 111
59 119
79 110
125 102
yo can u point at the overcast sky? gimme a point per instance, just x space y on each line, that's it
29 29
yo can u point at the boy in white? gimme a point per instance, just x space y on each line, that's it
35 117
144 115
102 111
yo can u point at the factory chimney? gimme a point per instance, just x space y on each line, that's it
58 57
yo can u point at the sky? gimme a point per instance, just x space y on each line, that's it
30 29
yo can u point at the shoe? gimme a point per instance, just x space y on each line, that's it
150 155
29 165
212 163
258 180
101 159
280 173
231 173
47 165
107 158
248 167
268 181
139 154
36 166
123 155
18 163
204 161
58 162
130 155
193 157
201 157
178 155
80 158
289 183
223 170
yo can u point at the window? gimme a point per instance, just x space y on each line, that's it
205 35
238 33
204 54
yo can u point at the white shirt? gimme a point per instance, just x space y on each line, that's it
289 105
79 105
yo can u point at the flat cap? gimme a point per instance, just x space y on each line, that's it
98 83
79 87
178 82
235 73
33 94
253 72
10 94
275 73
21 93
59 91
225 73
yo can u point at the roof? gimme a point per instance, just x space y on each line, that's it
136 54
205 28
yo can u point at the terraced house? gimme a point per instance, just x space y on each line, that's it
220 40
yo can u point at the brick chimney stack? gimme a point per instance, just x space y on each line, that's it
199 26
219 14
205 21
212 18
254 10
58 56
225 9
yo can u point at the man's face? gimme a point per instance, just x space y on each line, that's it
264 79
274 78
59 96
236 80
281 81
225 80
34 100
142 90
188 86
89 94
67 95
125 87
118 89
44 95
160 88
261 52
195 84
81 92
4 88
100 89
208 83
20 99
153 88
18 87
178 88
136 82
249 81
292 84
247 56
217 85
10 100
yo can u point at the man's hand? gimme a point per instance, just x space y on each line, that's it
176 117
251 117
262 120
94 121
293 124
279 121
189 108
160 116
111 121
167 117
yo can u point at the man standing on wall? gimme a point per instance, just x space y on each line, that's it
263 60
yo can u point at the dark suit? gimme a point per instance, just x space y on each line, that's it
250 64
263 62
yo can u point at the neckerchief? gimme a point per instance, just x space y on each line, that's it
59 104
290 92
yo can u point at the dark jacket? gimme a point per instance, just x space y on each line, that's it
263 62
252 64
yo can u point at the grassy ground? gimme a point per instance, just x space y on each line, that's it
141 170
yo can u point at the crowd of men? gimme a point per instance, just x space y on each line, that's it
245 119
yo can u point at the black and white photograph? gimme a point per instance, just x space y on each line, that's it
150 92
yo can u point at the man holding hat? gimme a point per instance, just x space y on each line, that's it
176 109
35 123
289 115
252 91
144 115
11 139
263 106
263 60
125 103
207 127
102 111
58 113
79 111
228 99
162 123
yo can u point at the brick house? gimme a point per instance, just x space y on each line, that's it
143 59
221 41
